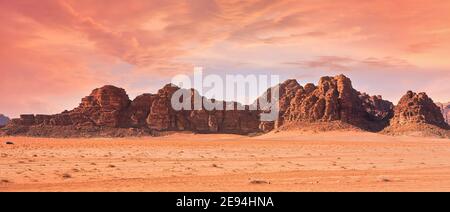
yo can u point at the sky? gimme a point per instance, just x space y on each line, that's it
54 52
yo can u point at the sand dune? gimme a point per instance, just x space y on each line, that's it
287 161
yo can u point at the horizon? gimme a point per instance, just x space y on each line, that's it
131 98
54 52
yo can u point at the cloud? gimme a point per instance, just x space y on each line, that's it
422 46
328 62
55 51
386 62
338 63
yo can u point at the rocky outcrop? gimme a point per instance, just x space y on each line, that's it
417 108
103 107
108 111
332 99
416 113
3 120
287 91
332 104
162 117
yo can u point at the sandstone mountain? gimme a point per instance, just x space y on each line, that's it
3 120
330 105
417 114
108 111
332 101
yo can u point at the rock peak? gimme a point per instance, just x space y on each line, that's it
168 89
290 82
108 97
414 108
334 99
108 111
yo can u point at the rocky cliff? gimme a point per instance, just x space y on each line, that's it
108 111
417 114
331 104
332 100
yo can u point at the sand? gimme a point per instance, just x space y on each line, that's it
287 161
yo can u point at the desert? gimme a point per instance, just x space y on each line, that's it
283 161
220 95
328 137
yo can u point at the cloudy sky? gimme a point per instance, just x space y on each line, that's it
53 52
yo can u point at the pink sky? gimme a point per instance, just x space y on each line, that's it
54 52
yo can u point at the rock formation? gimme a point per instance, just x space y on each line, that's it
417 108
108 111
331 104
416 113
287 91
333 99
3 120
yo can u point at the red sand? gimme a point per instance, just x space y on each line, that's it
288 161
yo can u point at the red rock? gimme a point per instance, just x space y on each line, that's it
160 117
334 99
417 115
287 91
42 119
108 98
103 107
417 108
27 119
138 111
108 111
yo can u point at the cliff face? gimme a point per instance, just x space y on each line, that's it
331 104
417 108
162 117
332 99
417 114
108 111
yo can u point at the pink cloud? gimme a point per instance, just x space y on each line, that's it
54 51
343 64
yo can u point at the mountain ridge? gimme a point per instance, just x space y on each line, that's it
108 111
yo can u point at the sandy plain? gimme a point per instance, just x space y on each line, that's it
285 161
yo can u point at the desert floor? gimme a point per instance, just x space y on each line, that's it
288 161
